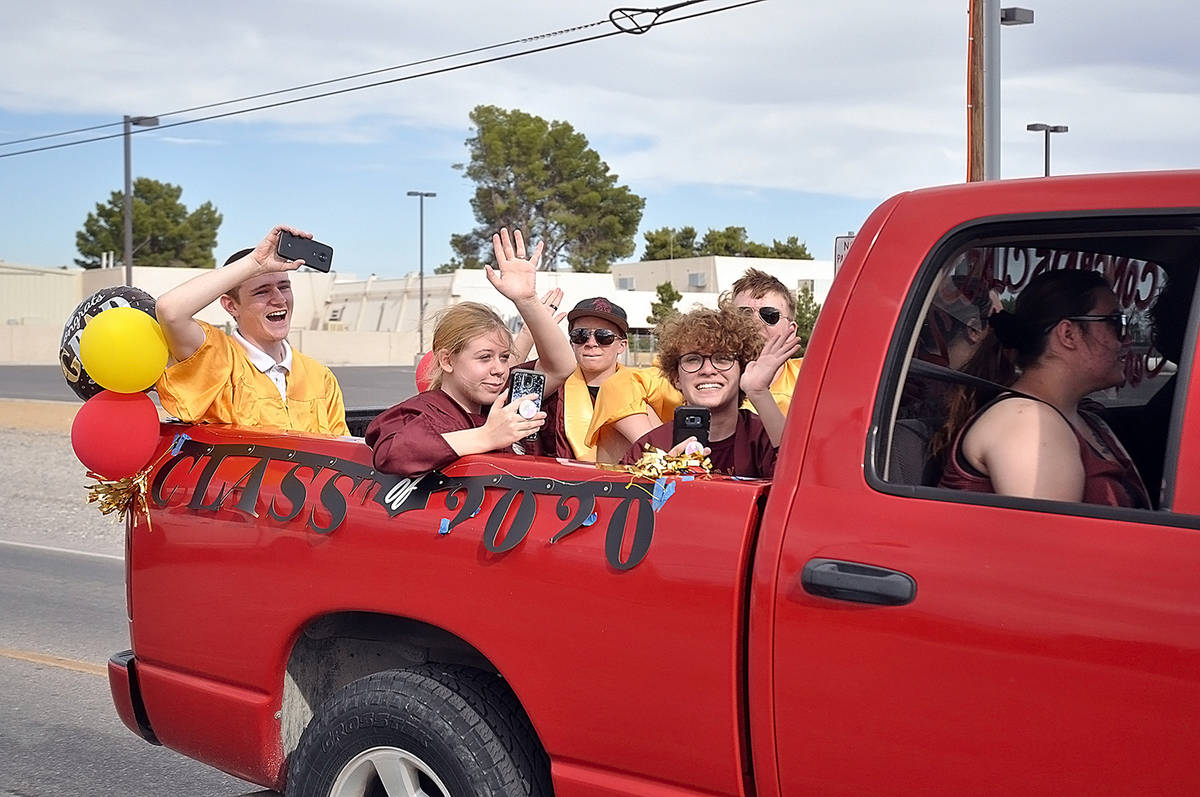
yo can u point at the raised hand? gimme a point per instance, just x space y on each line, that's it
759 373
505 423
523 342
552 299
266 256
514 275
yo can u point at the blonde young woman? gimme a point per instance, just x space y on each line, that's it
464 411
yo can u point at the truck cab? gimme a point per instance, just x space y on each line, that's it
1050 647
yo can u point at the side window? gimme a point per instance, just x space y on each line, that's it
938 382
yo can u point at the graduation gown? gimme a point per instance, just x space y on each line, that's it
746 452
219 384
568 414
407 439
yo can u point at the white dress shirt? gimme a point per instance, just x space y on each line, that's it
277 371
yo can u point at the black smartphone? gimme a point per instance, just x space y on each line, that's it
525 382
314 253
691 422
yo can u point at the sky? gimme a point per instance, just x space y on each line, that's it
786 117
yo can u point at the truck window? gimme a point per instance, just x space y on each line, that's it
1151 263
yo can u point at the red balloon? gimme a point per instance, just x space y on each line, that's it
426 368
115 434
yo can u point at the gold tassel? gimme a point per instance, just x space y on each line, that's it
123 495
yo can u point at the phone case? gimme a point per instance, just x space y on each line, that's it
314 253
525 382
691 422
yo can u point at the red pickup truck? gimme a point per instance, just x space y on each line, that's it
532 626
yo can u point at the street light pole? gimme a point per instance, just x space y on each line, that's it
130 121
420 195
1040 127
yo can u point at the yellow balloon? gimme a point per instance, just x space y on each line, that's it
123 349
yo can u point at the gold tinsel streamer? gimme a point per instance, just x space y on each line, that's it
655 463
122 495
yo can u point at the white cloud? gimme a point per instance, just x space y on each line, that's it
191 142
858 98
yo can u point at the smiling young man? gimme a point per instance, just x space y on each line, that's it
638 399
252 377
717 359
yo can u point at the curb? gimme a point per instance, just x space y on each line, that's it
42 416
38 415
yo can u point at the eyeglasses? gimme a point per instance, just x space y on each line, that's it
691 363
769 315
604 337
1118 321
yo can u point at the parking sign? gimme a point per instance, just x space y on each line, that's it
841 245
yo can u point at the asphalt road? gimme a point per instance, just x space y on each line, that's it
61 616
363 387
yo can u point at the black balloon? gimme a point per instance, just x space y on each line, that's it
68 352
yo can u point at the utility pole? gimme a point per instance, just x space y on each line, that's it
975 91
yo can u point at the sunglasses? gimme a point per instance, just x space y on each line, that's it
580 335
691 363
769 315
1118 321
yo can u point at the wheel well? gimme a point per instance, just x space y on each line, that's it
336 649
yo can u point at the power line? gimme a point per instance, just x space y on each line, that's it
626 15
317 84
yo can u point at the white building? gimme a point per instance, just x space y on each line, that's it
391 306
341 320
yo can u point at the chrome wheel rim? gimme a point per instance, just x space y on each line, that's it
387 771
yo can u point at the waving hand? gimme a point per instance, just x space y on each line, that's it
514 274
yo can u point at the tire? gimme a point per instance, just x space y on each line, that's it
436 731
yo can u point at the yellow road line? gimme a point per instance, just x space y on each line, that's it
54 661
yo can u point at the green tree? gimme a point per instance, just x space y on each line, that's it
730 242
807 310
793 249
542 178
164 232
667 243
664 308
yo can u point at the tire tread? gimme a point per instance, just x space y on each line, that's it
474 713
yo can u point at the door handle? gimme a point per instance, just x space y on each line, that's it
851 581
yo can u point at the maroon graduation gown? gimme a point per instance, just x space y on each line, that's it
554 434
746 452
407 438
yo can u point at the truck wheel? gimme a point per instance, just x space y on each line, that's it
423 732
